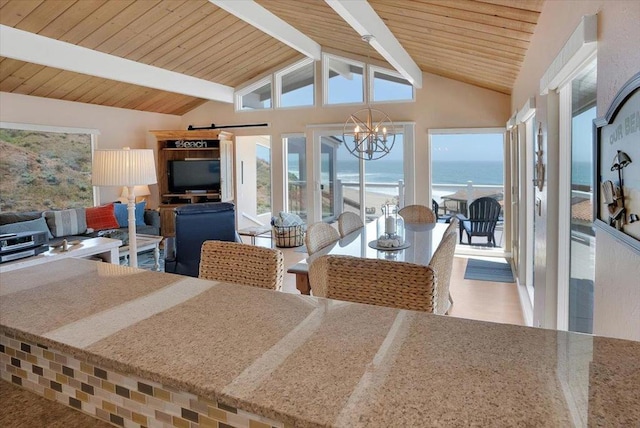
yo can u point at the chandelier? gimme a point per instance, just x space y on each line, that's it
368 133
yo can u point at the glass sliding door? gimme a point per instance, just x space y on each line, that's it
351 184
340 179
296 176
582 246
384 181
328 152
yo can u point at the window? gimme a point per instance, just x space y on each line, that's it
41 170
255 97
387 85
343 80
295 85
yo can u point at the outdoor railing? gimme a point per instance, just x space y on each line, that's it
377 194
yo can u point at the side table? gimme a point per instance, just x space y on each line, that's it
254 231
145 243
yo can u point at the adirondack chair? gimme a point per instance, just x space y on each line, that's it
442 218
483 216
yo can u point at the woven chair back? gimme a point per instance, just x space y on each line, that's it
348 222
453 227
375 282
242 264
320 235
442 263
417 214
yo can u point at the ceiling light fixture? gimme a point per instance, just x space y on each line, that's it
368 133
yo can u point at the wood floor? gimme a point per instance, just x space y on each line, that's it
478 300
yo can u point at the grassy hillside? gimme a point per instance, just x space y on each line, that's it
263 184
40 170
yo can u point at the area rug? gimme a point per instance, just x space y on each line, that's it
484 270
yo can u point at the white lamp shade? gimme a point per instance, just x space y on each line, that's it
142 190
123 167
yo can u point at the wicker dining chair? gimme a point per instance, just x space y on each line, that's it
442 263
417 214
242 264
320 235
453 227
375 282
348 222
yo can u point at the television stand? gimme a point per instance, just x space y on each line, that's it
192 197
195 145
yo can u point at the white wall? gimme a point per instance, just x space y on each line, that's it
118 127
441 103
617 294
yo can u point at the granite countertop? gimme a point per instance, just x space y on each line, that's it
316 362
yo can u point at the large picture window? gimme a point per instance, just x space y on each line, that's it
41 170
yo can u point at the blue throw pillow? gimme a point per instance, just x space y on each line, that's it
37 225
120 211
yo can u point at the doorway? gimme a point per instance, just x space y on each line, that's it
253 178
467 164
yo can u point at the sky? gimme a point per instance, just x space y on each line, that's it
467 147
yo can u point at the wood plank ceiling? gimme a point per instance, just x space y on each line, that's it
478 42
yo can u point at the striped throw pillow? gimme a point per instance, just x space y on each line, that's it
66 222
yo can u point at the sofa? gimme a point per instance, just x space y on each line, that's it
108 220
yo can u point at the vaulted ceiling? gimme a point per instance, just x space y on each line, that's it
481 42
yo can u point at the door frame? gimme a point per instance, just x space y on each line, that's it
564 191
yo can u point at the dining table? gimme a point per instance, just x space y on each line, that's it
420 242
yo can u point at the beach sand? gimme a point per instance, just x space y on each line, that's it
374 201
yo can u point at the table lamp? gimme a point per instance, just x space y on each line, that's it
140 192
130 168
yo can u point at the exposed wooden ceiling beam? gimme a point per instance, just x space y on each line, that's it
33 48
260 18
361 16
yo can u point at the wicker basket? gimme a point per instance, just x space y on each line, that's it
288 236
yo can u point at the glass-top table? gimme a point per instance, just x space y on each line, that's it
422 240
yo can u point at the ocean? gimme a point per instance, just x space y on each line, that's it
443 173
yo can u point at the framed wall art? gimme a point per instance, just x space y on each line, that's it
617 174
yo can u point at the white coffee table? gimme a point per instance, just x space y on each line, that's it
145 243
104 248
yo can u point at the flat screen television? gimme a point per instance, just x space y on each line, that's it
202 175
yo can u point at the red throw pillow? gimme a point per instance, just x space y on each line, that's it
101 218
